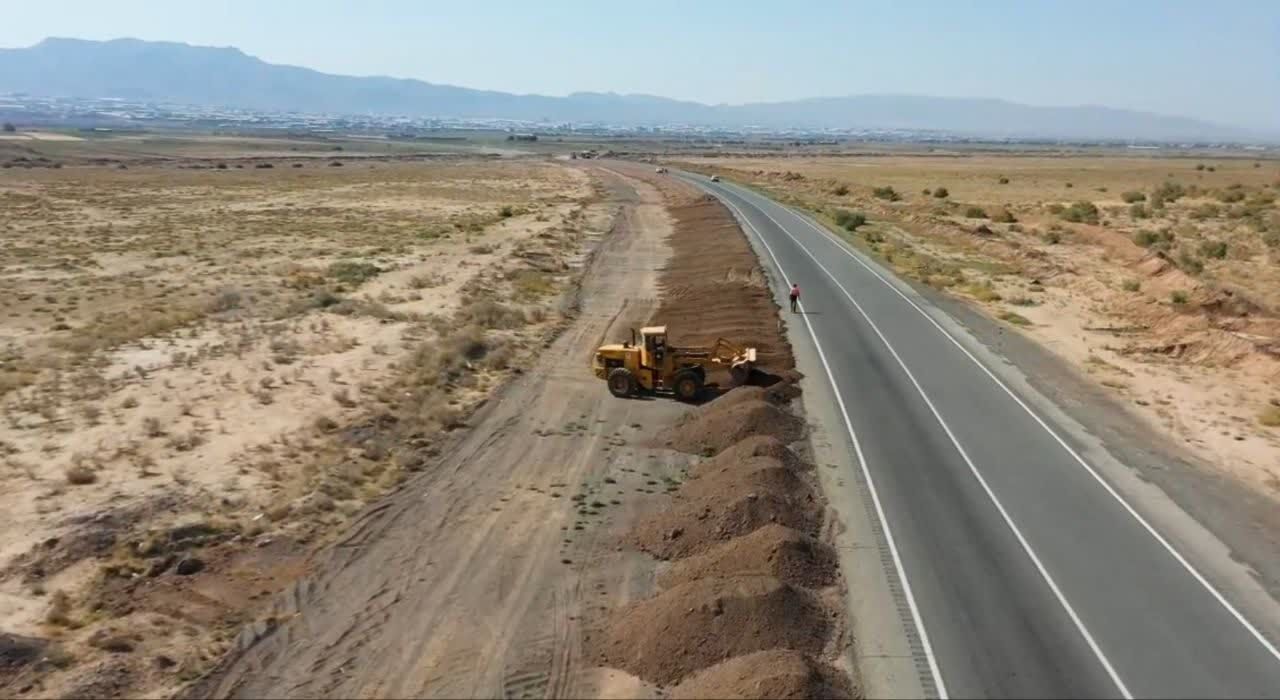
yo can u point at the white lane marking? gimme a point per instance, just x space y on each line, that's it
866 473
1217 595
1026 546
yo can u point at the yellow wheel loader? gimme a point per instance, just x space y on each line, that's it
651 365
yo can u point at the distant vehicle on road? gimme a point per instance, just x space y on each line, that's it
659 169
715 178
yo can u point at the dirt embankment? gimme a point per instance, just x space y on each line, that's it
748 604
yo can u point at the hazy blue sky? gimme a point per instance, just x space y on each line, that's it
1218 60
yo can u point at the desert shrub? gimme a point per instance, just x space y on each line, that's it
335 164
1003 216
941 193
227 299
9 127
1178 297
983 292
1139 211
506 212
80 475
264 166
1199 166
1081 212
1232 194
1213 249
1190 263
1131 285
1052 237
1207 210
886 193
1145 238
221 166
353 272
840 190
1271 239
486 313
973 212
1015 318
426 281
1169 192
1133 196
1003 180
849 220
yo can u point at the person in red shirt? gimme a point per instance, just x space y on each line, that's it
795 297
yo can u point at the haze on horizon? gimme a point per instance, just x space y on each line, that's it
1216 62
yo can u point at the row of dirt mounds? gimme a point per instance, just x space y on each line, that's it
747 602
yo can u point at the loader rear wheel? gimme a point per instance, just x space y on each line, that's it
739 374
622 383
687 385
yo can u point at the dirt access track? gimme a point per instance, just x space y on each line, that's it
482 575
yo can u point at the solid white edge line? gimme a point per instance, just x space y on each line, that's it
1004 514
1191 569
871 487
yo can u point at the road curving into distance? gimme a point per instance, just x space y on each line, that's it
1026 571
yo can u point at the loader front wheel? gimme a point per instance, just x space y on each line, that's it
687 385
622 383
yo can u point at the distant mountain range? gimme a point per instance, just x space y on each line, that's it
227 77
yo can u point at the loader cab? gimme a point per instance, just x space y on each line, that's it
653 341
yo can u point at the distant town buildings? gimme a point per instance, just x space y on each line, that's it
120 114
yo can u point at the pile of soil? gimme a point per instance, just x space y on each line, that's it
762 474
710 429
773 550
777 673
718 507
754 446
699 624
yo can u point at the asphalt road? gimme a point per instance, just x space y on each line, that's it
1026 572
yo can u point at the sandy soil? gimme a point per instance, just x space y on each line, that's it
1188 332
234 435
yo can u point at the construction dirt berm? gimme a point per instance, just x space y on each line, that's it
653 366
